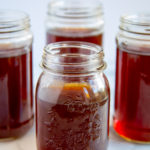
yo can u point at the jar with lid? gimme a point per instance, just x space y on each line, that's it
72 98
75 20
16 115
132 95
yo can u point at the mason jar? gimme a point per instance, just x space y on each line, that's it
16 115
75 20
132 96
72 98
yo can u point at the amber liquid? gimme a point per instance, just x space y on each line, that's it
74 120
132 97
16 115
84 35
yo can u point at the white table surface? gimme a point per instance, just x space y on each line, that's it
112 10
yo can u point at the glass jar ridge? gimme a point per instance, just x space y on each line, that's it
73 57
13 21
77 13
134 32
136 23
14 29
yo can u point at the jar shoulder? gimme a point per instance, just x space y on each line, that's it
16 40
89 89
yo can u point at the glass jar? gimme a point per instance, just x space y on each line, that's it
72 98
75 20
16 115
132 96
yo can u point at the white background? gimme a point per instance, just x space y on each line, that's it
112 9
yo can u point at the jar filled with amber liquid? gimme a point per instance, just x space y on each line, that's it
16 115
72 98
132 95
75 20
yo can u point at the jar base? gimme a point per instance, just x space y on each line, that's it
130 135
14 133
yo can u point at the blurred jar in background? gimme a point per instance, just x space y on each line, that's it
72 98
75 20
132 96
16 115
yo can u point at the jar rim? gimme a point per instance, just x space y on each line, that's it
136 24
12 15
73 44
13 21
77 57
141 19
74 10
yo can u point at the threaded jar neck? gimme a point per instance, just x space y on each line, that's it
134 33
14 31
74 9
73 58
77 13
13 21
136 23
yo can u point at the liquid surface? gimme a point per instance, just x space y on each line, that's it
16 115
77 121
83 35
132 97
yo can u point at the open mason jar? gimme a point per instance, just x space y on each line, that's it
72 98
132 96
16 108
